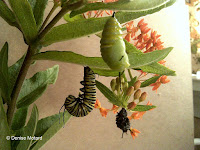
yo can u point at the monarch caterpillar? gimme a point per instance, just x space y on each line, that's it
84 103
113 49
122 121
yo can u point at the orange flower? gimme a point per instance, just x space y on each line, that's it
97 104
138 114
162 80
114 109
103 111
134 132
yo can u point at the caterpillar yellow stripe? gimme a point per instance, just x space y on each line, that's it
113 49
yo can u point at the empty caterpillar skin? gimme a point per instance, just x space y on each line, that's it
122 121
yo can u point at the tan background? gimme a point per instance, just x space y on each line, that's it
169 126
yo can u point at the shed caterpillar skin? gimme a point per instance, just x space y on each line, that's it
113 49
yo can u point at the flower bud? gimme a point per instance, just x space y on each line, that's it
117 80
117 88
113 84
125 86
143 97
130 91
132 105
137 94
122 79
137 85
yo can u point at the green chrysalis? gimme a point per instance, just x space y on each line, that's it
113 49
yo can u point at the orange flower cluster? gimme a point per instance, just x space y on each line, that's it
143 41
99 13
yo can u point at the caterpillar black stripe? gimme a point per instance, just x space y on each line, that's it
84 103
113 49
122 121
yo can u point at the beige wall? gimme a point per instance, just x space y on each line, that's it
169 126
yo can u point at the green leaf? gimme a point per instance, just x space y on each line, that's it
131 83
29 130
51 132
4 84
124 5
86 27
106 73
149 81
38 11
34 87
4 143
143 108
19 118
75 18
157 68
142 59
135 59
44 124
71 57
7 14
24 14
108 93
14 71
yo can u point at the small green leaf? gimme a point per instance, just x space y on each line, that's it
44 124
149 81
75 18
7 14
4 84
38 11
34 87
4 143
14 71
25 18
51 132
131 83
86 27
194 49
123 5
19 118
108 93
29 130
157 68
143 108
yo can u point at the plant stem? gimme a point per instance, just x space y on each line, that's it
62 12
48 16
20 79
129 72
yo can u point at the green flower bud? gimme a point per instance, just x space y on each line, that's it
113 84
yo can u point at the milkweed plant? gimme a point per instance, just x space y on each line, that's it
144 52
